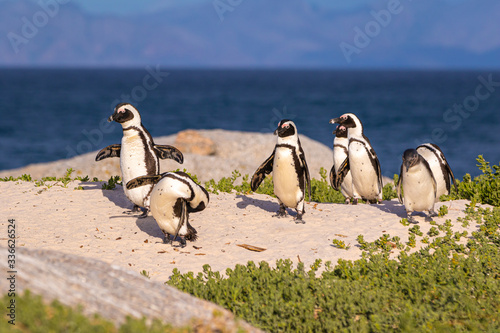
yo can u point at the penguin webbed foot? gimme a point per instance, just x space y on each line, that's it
166 239
347 201
182 242
144 214
355 201
281 212
410 218
432 214
298 219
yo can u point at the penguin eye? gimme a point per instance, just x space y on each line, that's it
285 125
343 117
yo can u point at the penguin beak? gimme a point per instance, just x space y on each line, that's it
335 121
111 118
334 132
275 132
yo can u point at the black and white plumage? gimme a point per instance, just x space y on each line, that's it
419 185
340 154
138 154
440 168
362 161
289 168
173 197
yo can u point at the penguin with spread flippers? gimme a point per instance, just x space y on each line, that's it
173 197
362 162
418 185
340 154
290 171
440 168
138 154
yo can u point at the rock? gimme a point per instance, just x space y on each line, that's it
191 141
113 292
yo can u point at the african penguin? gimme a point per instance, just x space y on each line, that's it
362 161
340 154
174 196
419 185
138 154
439 166
289 168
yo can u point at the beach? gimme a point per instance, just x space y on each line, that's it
85 220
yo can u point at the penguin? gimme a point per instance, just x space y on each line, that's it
340 154
290 172
419 185
439 166
173 197
362 161
138 154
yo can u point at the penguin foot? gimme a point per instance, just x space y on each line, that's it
298 219
135 209
432 213
166 239
144 214
281 212
355 201
347 201
429 217
182 242
411 219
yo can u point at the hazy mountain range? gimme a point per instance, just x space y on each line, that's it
255 33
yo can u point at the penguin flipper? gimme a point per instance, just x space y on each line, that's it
169 152
143 180
450 174
109 151
261 172
342 173
302 157
333 178
398 185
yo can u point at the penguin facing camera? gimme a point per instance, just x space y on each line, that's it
361 161
418 185
290 172
138 154
340 153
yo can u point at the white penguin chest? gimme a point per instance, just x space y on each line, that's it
133 163
418 189
285 177
364 176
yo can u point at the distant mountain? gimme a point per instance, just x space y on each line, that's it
256 33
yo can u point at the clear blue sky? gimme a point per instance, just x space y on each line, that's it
134 6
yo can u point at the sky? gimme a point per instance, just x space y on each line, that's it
346 34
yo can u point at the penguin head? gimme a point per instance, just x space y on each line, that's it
340 132
286 128
410 158
349 121
126 114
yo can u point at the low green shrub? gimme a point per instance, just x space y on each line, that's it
453 287
484 188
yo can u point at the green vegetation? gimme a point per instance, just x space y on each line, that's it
443 210
33 315
484 188
61 181
112 182
453 287
340 244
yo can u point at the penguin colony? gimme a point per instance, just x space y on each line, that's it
425 174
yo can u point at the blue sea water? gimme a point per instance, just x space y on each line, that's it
50 114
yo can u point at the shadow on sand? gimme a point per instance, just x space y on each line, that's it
267 205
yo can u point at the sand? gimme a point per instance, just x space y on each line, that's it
92 223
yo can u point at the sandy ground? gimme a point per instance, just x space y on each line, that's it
92 223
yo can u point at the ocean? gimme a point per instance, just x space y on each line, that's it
51 114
